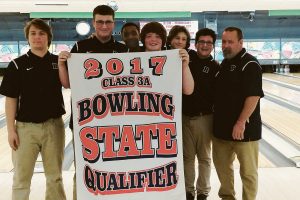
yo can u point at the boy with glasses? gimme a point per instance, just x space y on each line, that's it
102 42
198 116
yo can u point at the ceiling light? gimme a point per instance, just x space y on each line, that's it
83 28
251 16
113 5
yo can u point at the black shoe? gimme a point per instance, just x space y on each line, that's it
201 197
189 196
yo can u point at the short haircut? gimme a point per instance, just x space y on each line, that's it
206 32
130 24
178 29
238 31
103 10
154 27
40 24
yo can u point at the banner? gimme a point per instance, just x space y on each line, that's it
127 125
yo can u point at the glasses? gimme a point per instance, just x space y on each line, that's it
202 42
107 23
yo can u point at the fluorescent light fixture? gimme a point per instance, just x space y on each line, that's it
51 3
83 28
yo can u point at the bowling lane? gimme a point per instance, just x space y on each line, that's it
285 79
282 119
282 92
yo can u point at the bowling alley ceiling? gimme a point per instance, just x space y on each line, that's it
27 6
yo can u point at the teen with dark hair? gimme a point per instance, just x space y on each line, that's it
34 106
153 37
156 30
178 38
198 117
102 42
130 33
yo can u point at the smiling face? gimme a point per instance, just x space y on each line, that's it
130 32
131 36
37 38
153 42
104 26
179 41
204 46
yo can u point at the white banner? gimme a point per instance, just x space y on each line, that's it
127 125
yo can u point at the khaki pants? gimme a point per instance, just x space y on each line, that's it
48 138
197 133
224 153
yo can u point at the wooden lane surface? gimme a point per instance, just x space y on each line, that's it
282 119
282 92
285 79
5 150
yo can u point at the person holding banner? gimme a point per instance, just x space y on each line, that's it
179 38
153 37
34 106
127 126
197 109
130 33
101 42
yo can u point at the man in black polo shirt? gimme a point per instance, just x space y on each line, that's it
198 116
237 122
101 42
34 106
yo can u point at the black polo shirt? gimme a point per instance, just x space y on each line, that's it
204 72
93 45
239 78
34 81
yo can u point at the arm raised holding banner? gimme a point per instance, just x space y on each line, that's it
187 78
62 68
153 37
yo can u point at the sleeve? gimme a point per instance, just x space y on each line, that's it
252 80
10 85
75 48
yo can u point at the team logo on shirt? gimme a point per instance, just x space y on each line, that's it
232 68
205 69
54 66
